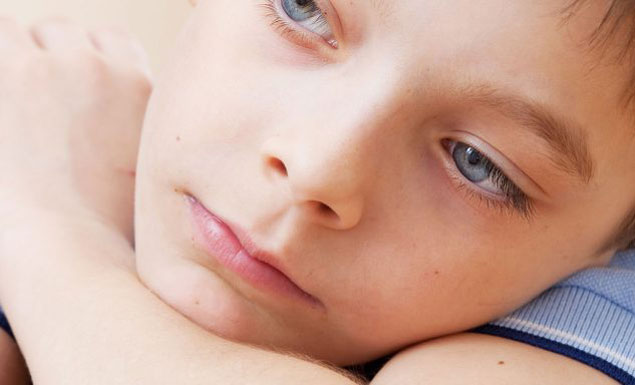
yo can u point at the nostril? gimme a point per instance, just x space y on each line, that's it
325 209
277 165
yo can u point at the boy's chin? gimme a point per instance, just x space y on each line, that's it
215 305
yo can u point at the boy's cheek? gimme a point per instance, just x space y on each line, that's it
203 129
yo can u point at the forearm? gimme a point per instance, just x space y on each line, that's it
83 319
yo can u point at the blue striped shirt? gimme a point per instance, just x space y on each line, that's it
589 317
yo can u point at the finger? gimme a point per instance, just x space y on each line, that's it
57 35
13 36
121 48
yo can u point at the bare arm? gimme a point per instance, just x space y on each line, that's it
90 321
482 359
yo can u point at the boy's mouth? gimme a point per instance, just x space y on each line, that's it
232 248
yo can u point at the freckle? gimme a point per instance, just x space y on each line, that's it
197 302
437 272
178 138
501 362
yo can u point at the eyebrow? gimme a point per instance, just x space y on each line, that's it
568 141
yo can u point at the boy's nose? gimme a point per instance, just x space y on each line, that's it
324 184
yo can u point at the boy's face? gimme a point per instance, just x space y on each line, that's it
428 175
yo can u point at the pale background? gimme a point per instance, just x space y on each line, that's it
155 22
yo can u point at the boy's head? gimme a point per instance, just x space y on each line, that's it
418 167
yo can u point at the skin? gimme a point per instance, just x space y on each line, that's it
63 250
130 336
72 148
404 252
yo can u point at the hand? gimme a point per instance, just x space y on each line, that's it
71 109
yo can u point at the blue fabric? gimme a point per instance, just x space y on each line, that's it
4 324
589 317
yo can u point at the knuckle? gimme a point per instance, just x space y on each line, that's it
90 59
54 22
106 37
119 43
93 65
49 26
58 32
85 65
12 34
141 83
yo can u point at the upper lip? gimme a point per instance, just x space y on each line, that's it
253 250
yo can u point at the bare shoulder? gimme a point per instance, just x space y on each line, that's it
475 359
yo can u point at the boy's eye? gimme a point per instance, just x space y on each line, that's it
308 15
471 163
304 13
479 170
301 10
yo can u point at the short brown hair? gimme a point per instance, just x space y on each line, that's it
617 30
626 235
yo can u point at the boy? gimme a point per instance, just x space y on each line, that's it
338 180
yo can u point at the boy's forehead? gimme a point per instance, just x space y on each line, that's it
575 20
548 43
533 46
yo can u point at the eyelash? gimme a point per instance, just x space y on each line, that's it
287 29
514 199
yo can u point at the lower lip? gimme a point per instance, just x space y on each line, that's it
220 242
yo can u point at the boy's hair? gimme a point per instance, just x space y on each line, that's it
614 37
625 238
616 30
